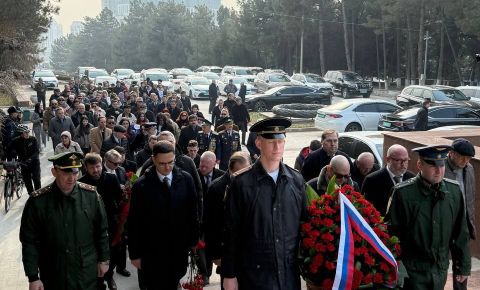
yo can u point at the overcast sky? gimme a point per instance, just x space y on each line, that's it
71 10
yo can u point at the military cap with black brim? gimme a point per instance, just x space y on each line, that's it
149 125
206 123
68 161
433 155
271 128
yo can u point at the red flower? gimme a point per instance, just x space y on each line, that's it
327 237
378 278
320 248
330 247
306 227
129 174
330 265
367 279
308 243
328 222
369 260
357 279
384 267
327 284
329 210
314 234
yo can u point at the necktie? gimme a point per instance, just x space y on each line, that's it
209 180
166 182
397 179
103 135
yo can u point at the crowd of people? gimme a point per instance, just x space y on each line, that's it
195 183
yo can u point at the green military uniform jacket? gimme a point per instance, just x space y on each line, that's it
64 237
430 222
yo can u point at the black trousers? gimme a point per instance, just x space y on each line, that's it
41 98
457 285
213 102
31 176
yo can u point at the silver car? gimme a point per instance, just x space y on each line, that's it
48 77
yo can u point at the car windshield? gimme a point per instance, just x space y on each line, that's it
314 79
210 76
124 72
256 70
216 70
184 71
238 81
278 78
352 77
448 95
156 77
97 73
243 72
45 73
337 107
199 81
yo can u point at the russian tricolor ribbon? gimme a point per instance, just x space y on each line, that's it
352 219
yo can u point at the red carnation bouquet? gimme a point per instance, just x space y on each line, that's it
194 280
124 207
320 236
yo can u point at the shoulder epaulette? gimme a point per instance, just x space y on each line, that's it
87 186
451 181
221 132
405 183
41 191
243 170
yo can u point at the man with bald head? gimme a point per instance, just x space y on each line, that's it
378 185
338 166
363 166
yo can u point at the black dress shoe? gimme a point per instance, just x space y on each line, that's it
124 272
111 284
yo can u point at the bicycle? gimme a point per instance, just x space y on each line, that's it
13 182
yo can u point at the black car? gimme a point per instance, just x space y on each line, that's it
287 95
414 95
438 115
349 83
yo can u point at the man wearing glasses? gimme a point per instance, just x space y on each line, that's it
108 187
377 186
338 167
163 221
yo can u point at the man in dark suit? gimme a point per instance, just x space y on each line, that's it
363 166
208 140
212 95
208 173
163 222
188 133
317 159
378 185
421 120
109 189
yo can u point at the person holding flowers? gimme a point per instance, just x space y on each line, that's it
427 213
265 205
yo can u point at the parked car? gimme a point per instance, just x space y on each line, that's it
196 87
349 83
274 71
414 95
91 74
238 71
101 79
255 69
48 77
156 76
208 75
159 69
355 143
287 95
266 81
179 73
353 115
122 73
471 92
438 115
312 80
236 81
206 68
135 77
82 69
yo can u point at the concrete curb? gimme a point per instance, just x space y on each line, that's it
307 129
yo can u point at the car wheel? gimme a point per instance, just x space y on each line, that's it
353 127
260 106
344 93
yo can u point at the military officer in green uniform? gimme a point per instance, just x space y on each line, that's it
64 231
427 214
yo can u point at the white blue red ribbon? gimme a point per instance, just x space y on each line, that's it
351 218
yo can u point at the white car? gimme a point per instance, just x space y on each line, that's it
353 115
122 73
236 81
91 74
159 69
135 77
472 92
196 87
156 76
100 80
239 71
208 75
212 68
313 81
48 78
355 143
